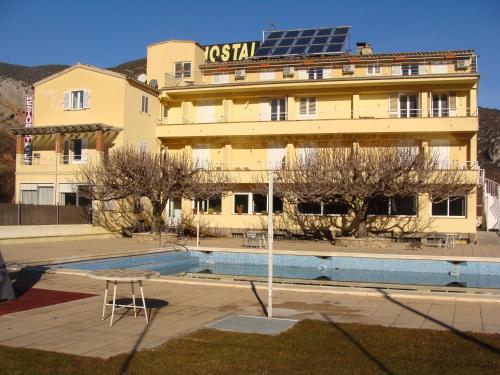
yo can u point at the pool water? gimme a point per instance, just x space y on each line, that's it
338 268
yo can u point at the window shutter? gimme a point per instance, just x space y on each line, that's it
394 106
312 106
265 110
303 74
453 104
423 69
396 70
303 106
66 104
441 151
327 73
201 156
205 111
275 156
86 99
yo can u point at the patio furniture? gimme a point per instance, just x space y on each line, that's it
121 276
437 239
451 239
255 239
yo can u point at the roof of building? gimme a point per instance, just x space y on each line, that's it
74 128
175 41
132 81
341 57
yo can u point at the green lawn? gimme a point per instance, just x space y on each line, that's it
311 347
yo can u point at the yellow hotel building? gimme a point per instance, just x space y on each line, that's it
250 115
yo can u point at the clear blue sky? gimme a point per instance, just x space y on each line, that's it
108 32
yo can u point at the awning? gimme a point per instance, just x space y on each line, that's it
62 129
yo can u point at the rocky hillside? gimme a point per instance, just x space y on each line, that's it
16 81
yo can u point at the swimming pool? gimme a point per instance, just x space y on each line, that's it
471 274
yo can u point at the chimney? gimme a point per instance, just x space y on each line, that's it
363 48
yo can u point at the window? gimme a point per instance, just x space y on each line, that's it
75 100
165 114
201 156
210 206
183 69
75 151
444 105
398 205
312 208
37 194
278 109
71 195
307 107
259 204
144 104
409 69
241 205
276 155
205 111
315 73
408 106
372 70
451 207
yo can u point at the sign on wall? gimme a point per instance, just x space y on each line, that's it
28 123
230 51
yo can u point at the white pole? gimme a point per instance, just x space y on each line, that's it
198 223
270 236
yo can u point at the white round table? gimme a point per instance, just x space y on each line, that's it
120 275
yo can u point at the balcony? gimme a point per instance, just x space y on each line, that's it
408 69
47 162
337 122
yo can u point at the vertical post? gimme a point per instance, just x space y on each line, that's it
19 213
270 236
59 148
197 223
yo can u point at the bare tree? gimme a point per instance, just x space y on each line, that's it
127 172
355 176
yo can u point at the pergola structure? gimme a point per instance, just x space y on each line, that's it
59 130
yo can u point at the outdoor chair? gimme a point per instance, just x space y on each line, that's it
437 239
251 240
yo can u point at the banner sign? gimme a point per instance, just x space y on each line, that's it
28 123
230 51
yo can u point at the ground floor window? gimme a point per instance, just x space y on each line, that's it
37 194
452 207
211 206
246 203
398 205
71 195
312 208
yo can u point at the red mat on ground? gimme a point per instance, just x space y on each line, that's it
34 298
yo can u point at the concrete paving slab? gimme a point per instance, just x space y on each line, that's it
253 324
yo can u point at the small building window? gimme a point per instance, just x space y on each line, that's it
451 207
373 70
144 104
182 69
75 100
211 206
313 208
278 109
409 69
315 73
307 107
398 205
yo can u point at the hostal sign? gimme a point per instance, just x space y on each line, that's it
230 51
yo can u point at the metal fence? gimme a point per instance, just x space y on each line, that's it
31 214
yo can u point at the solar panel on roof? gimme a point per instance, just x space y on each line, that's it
303 42
292 34
324 31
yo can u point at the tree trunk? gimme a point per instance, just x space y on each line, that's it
156 223
360 227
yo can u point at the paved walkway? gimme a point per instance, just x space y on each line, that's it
76 327
44 252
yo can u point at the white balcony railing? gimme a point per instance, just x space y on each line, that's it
37 159
318 115
405 69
